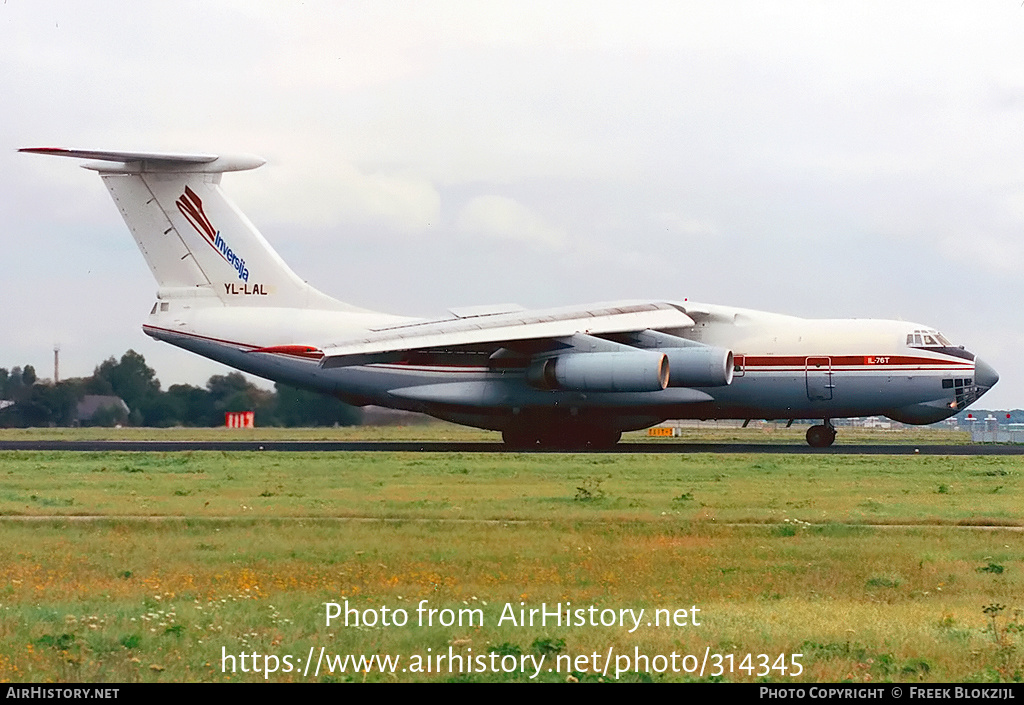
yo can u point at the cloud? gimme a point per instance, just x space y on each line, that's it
679 224
322 189
993 253
502 218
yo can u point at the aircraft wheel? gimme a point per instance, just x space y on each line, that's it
603 440
519 439
820 436
582 439
561 438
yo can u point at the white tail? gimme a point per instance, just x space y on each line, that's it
195 240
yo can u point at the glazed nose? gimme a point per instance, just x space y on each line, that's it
984 375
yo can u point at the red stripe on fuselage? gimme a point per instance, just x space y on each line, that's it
847 360
306 351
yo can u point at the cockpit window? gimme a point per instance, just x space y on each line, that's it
927 339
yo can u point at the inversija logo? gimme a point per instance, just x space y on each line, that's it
192 208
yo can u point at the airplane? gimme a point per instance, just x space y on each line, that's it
572 377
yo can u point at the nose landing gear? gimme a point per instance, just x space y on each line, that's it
821 436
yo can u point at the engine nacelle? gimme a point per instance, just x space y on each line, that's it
639 371
699 366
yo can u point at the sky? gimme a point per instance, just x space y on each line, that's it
829 160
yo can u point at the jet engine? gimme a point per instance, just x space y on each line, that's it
639 371
699 366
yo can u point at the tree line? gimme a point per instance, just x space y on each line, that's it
43 403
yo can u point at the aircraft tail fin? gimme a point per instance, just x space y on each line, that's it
196 242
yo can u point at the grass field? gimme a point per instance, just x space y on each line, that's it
154 566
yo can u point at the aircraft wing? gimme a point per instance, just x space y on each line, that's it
504 328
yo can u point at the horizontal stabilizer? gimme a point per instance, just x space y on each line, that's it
139 162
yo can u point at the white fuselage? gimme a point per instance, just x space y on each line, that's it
785 368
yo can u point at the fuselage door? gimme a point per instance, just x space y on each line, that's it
818 371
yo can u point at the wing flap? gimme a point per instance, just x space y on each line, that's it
506 328
493 310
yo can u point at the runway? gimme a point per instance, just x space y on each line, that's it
443 447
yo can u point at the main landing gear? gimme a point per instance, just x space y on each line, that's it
560 438
821 436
